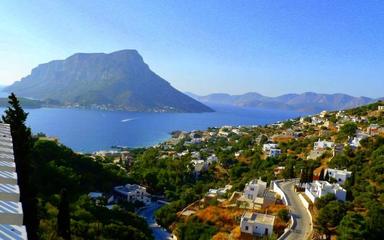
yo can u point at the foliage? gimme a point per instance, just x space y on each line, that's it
195 230
22 142
352 226
57 167
283 214
330 216
324 200
347 130
63 216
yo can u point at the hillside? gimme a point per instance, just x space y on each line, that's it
305 102
119 80
196 210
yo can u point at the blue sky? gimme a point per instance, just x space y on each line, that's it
270 47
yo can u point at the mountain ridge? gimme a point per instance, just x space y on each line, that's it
119 80
303 102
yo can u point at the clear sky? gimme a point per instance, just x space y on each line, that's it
270 47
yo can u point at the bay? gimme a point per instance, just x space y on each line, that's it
92 130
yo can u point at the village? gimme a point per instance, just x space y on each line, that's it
279 206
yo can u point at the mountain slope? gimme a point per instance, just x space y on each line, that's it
119 80
305 102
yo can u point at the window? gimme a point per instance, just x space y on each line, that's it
246 228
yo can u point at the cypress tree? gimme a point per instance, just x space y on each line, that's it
22 144
303 176
321 176
63 217
310 174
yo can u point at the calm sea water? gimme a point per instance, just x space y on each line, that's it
92 130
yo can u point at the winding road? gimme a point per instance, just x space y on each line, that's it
302 227
148 213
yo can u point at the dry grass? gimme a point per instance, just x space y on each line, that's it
224 219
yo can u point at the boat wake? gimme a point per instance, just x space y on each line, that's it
127 119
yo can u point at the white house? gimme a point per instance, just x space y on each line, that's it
323 114
319 145
339 175
131 193
95 195
380 108
212 159
219 192
195 155
254 189
274 152
355 141
271 150
268 146
318 189
199 166
257 224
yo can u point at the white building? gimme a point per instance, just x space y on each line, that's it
254 189
95 195
268 146
199 166
339 175
319 189
212 159
320 145
274 152
131 193
323 114
355 141
220 192
257 224
195 155
271 150
380 108
11 212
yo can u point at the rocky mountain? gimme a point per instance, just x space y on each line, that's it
119 80
305 102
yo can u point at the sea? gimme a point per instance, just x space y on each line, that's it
87 131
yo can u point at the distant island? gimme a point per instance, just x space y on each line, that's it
305 102
116 81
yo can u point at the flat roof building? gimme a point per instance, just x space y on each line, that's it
257 224
11 211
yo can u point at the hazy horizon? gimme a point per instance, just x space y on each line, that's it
272 48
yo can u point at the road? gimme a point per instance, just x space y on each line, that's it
302 227
148 214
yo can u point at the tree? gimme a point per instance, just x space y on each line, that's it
375 221
283 214
348 130
330 216
353 226
303 176
289 171
63 217
324 200
310 174
321 175
22 143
